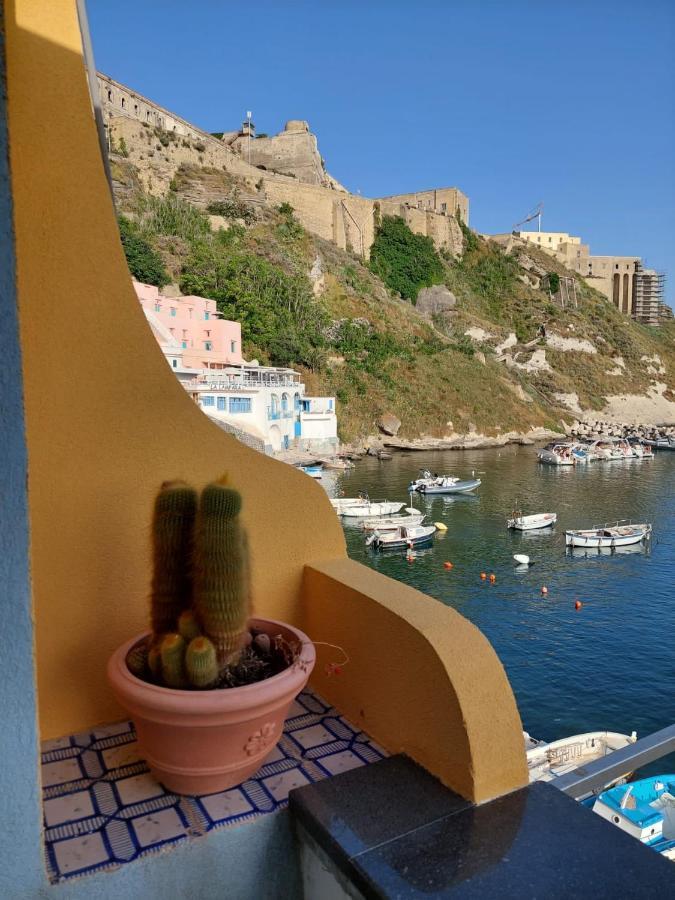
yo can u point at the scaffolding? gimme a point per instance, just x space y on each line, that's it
647 295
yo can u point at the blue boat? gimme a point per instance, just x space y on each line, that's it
645 809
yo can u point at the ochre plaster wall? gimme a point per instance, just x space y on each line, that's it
106 419
106 422
421 679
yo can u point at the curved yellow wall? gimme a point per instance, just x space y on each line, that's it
107 422
421 679
106 419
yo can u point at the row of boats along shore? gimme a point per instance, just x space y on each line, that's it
604 449
644 808
391 525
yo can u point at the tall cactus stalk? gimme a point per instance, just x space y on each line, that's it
221 572
172 538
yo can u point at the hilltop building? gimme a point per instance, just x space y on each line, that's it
283 168
264 406
634 290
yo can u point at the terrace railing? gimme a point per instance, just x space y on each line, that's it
592 777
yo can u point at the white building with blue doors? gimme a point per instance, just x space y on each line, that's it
269 404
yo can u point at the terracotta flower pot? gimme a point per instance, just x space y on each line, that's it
200 742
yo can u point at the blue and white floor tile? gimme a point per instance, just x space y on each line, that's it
102 808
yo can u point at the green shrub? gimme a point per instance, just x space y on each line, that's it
145 264
471 239
277 311
406 262
171 215
231 209
553 282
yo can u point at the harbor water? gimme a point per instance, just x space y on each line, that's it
608 665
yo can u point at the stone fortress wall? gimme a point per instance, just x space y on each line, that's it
158 142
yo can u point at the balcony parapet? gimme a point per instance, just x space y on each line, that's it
422 680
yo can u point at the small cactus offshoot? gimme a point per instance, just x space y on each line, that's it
201 664
188 626
172 652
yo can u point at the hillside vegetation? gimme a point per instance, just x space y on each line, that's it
353 328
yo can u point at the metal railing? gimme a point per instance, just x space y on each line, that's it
592 777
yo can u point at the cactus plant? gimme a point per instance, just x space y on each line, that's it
172 652
155 663
201 664
221 571
172 535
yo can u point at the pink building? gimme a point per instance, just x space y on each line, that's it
191 330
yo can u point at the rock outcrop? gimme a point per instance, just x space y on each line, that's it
389 424
434 300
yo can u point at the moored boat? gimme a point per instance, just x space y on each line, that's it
414 517
403 536
519 522
427 477
545 762
645 809
557 454
371 508
449 485
616 534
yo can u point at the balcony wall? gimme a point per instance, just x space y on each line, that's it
97 456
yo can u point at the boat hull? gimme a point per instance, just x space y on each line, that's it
371 509
595 540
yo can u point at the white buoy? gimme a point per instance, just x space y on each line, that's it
521 559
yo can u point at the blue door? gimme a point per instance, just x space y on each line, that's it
298 428
286 444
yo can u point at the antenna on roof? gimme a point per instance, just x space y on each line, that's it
535 214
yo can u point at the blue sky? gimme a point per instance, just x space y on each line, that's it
572 103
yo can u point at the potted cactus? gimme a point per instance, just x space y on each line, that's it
209 687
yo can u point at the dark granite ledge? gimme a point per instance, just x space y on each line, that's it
396 832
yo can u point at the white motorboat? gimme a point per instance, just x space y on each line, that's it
545 762
616 534
403 536
558 455
519 522
414 517
370 508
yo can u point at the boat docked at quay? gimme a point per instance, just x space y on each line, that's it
616 534
405 536
428 478
548 761
645 809
558 454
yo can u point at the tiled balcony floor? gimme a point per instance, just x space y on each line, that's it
102 808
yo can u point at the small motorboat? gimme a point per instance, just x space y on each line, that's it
519 522
427 477
545 762
413 517
644 809
404 536
449 485
312 471
617 534
557 455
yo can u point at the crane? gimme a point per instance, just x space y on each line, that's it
535 214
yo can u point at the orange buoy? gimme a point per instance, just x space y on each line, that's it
578 604
493 578
544 590
483 576
447 565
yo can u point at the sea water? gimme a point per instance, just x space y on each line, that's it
609 665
